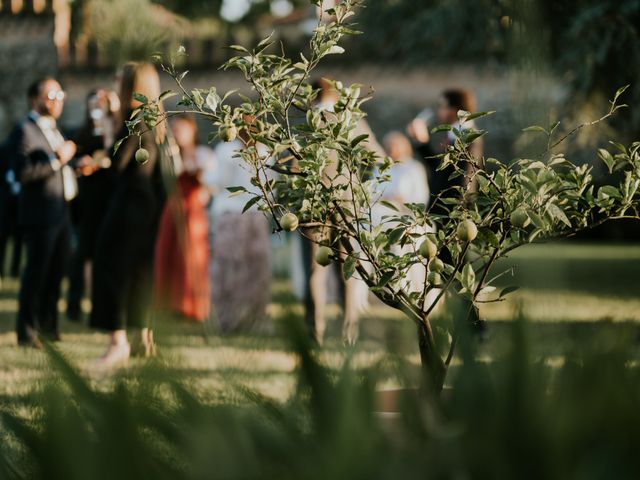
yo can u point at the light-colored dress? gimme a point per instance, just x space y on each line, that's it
241 260
407 184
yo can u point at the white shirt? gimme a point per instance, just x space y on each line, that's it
230 171
407 184
49 128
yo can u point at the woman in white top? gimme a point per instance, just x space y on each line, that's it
407 184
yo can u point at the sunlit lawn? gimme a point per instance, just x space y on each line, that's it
572 293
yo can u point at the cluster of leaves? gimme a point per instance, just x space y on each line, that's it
510 418
315 162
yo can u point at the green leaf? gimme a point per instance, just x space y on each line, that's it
442 128
212 99
607 158
468 277
557 213
359 139
117 145
197 98
166 94
238 48
619 92
471 136
609 191
140 98
476 115
389 205
349 267
396 235
535 128
385 278
537 220
251 203
507 290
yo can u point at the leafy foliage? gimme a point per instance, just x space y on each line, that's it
514 417
316 163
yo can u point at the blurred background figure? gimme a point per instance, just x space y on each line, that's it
241 261
94 139
408 177
40 156
353 292
450 102
182 251
123 262
9 230
440 182
407 184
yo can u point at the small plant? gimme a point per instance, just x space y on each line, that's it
317 167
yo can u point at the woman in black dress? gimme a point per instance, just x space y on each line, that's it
123 263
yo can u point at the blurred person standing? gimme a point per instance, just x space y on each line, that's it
449 104
353 292
241 254
123 262
94 139
40 157
407 184
181 278
407 176
440 182
9 230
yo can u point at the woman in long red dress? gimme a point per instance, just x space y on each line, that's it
182 249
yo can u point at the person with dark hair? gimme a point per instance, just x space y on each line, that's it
94 139
123 261
40 156
440 181
181 276
450 103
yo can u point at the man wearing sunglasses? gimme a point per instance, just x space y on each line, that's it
40 157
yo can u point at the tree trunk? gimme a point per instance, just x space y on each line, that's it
433 368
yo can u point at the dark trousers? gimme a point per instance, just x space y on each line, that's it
9 230
47 252
76 279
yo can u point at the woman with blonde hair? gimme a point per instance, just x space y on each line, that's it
123 264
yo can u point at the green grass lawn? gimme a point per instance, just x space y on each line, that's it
571 292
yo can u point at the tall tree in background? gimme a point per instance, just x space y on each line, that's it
592 45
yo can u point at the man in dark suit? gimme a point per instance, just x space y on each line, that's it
40 155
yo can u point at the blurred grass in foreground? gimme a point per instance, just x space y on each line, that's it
516 417
573 294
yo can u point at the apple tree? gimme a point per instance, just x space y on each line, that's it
314 173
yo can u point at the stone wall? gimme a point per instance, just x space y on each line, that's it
27 51
398 95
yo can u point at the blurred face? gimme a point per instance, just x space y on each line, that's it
50 100
446 113
184 133
398 147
